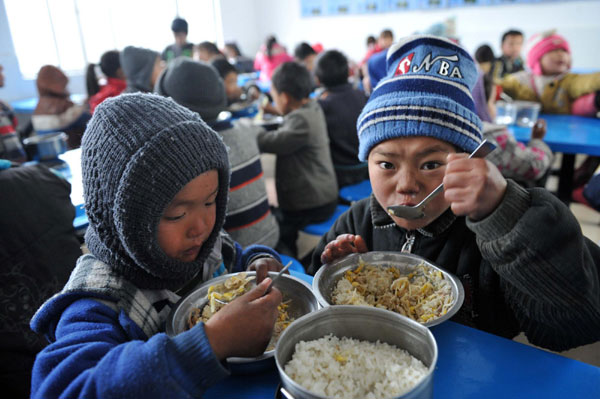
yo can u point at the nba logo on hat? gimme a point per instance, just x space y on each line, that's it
404 65
427 92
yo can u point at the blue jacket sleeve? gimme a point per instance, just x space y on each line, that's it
95 355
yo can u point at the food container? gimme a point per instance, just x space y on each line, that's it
302 302
328 275
527 113
46 147
506 113
365 324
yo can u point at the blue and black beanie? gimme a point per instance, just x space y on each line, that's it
426 92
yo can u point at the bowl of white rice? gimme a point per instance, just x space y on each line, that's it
403 283
352 352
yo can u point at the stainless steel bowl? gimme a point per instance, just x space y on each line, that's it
328 275
302 302
46 147
362 323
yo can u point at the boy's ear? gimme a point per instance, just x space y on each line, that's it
285 98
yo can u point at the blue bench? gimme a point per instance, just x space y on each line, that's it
319 229
357 191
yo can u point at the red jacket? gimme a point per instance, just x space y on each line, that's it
113 88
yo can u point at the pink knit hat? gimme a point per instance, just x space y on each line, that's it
542 43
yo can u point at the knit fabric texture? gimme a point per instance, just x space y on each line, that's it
137 64
195 85
542 43
426 92
138 152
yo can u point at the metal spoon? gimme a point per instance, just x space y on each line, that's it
276 277
268 288
418 211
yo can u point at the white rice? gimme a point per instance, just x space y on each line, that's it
348 368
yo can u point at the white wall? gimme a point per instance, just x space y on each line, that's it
576 20
240 20
249 21
15 87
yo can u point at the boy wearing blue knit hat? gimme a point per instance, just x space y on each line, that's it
155 180
413 132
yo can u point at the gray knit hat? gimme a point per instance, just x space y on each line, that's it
137 153
137 64
195 85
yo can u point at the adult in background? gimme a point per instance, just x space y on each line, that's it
181 47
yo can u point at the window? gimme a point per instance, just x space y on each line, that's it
71 33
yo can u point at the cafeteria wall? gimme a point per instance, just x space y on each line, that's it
576 20
249 21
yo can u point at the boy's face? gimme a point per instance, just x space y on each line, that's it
233 91
280 100
511 46
385 41
189 219
180 38
405 170
555 62
309 62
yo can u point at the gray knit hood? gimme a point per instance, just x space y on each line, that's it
195 85
137 64
138 151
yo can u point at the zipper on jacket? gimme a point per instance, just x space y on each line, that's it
410 241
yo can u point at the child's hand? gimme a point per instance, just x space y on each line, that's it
244 327
343 245
474 187
263 266
539 129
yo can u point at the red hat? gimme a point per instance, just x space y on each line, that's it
541 44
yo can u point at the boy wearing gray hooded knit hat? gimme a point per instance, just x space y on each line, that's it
141 68
197 86
155 180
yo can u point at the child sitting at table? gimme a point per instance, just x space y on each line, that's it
341 105
155 180
197 86
520 254
305 55
528 164
270 55
141 68
305 181
113 74
238 97
510 61
55 112
549 81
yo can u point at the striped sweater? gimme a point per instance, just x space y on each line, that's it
249 219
